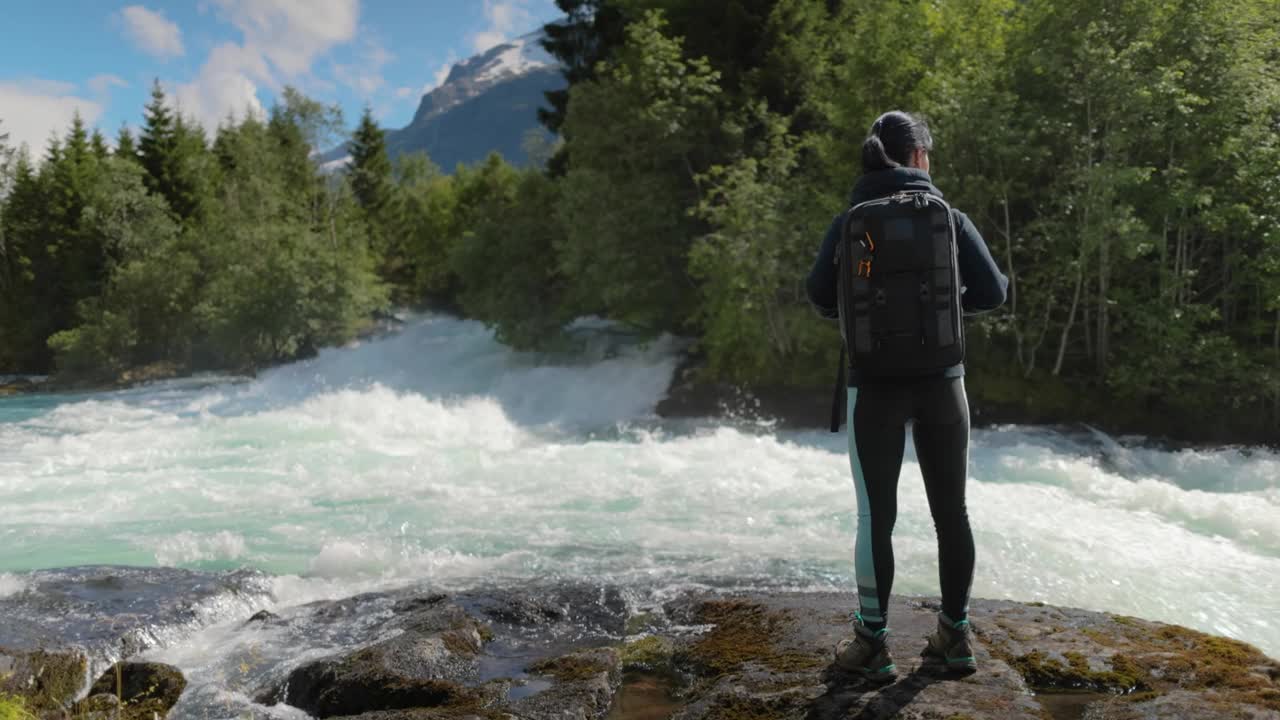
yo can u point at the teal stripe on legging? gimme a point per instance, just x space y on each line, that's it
863 562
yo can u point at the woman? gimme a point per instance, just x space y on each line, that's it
895 158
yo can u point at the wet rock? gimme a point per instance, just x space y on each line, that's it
103 706
145 689
425 665
577 608
567 650
262 616
574 650
47 681
539 651
585 683
105 612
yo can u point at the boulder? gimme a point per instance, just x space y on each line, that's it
144 689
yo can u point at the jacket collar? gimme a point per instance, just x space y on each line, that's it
886 182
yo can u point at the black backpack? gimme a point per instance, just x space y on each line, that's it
898 289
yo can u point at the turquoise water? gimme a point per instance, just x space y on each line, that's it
438 455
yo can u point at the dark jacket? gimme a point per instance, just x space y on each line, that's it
984 287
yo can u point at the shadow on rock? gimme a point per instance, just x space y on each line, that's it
847 692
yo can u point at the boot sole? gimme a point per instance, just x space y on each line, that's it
878 678
962 666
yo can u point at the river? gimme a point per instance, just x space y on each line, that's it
436 455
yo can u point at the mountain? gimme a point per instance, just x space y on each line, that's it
488 103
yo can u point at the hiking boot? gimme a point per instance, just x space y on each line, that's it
866 654
952 645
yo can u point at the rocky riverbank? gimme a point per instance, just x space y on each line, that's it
572 650
994 399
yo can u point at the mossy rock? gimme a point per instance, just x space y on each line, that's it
582 665
1144 660
744 633
650 652
46 681
144 689
1048 673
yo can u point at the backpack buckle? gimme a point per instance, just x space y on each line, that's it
920 201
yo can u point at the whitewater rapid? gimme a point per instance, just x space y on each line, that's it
436 455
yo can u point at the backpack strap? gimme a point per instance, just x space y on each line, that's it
839 396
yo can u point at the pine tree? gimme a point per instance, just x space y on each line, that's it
188 169
126 147
589 33
18 315
98 145
370 168
156 145
5 274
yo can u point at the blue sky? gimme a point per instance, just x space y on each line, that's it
219 56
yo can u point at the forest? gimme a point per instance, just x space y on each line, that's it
1122 161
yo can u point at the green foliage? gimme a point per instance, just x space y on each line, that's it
97 349
507 264
181 255
752 265
635 133
588 34
370 168
421 223
294 270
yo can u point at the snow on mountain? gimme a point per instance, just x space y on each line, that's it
476 75
335 165
488 103
517 57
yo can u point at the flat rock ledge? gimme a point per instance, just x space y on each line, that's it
596 652
585 652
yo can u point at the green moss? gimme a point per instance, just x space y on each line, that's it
49 680
486 633
744 633
578 666
1047 673
13 707
1152 660
649 652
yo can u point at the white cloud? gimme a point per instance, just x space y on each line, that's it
441 74
33 109
282 40
364 75
101 84
292 33
152 32
505 18
227 84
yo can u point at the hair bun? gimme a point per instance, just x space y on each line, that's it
894 138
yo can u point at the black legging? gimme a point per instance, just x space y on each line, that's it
877 437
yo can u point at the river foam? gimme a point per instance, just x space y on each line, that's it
436 455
